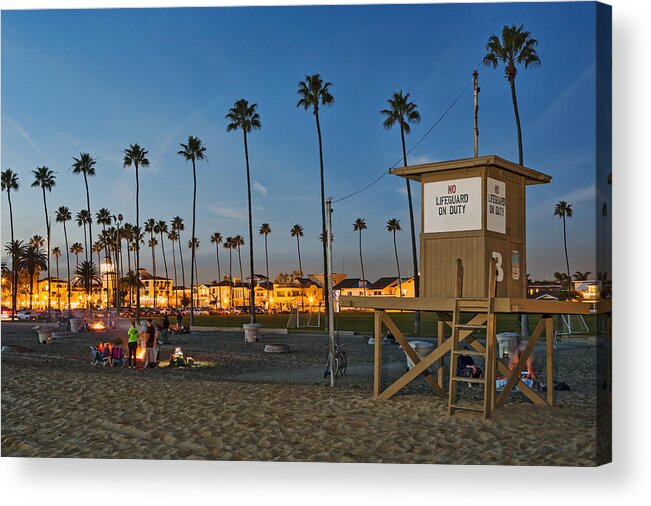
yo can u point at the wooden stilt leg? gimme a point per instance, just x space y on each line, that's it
549 331
377 361
440 336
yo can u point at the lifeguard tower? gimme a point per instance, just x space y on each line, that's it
473 266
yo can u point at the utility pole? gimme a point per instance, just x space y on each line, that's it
331 327
475 74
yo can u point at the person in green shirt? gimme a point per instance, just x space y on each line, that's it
133 343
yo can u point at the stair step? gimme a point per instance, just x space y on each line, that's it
469 326
467 407
469 380
472 353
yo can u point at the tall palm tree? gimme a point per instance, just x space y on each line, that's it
238 242
403 112
45 180
16 249
229 245
104 218
515 48
564 210
243 116
10 183
217 239
358 226
83 218
161 228
393 226
56 251
265 230
314 92
193 244
62 216
178 227
76 249
581 276
192 151
128 234
297 231
152 244
174 236
37 241
33 261
85 165
136 156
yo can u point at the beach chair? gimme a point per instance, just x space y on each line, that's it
117 356
95 356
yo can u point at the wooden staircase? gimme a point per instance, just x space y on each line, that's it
484 319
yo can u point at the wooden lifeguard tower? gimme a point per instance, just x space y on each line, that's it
473 267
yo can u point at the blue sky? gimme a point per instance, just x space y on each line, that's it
97 80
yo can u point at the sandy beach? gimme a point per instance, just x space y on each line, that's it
240 403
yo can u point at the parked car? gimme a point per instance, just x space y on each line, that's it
27 315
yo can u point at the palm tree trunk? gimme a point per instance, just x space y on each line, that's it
162 245
323 221
194 204
90 241
248 186
298 247
567 260
395 249
266 256
219 275
58 288
361 260
517 119
14 271
181 254
239 256
137 244
414 253
153 262
176 292
85 243
49 278
230 271
65 234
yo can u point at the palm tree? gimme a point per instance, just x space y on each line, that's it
192 151
178 227
85 165
217 239
16 250
33 261
403 112
265 230
174 236
238 242
358 226
581 276
128 234
161 228
193 244
97 249
393 226
315 92
152 244
45 180
132 282
87 274
136 156
83 218
149 227
76 249
104 217
297 231
564 210
9 183
62 216
243 116
229 245
56 251
516 47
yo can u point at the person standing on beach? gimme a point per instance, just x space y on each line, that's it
151 339
165 330
179 322
133 344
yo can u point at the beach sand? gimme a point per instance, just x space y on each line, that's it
240 403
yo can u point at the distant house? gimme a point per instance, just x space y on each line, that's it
538 288
157 286
352 287
385 286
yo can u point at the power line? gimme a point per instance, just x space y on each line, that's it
388 171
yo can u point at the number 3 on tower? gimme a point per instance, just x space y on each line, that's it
500 271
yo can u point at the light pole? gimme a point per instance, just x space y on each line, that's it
118 255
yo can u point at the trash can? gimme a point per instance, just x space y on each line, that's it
251 332
422 349
506 342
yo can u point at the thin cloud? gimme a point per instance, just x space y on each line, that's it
260 188
18 128
226 211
